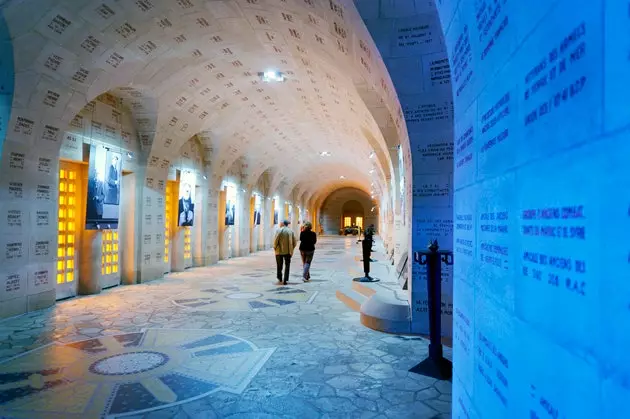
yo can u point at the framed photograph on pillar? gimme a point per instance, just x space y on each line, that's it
230 206
275 217
103 192
257 205
186 205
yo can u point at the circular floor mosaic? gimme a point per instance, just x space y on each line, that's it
244 298
124 374
129 363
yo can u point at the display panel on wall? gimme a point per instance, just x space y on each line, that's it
401 163
275 217
257 205
230 206
103 195
186 211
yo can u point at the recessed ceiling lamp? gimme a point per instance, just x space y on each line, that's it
342 177
325 154
371 171
272 76
372 154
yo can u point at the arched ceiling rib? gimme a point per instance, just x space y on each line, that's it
200 59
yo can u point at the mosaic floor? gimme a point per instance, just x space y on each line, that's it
216 342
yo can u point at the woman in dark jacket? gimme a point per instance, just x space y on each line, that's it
308 238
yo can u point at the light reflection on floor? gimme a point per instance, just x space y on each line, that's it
164 348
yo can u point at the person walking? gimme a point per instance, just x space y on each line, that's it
284 244
308 238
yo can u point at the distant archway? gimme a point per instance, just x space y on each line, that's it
352 214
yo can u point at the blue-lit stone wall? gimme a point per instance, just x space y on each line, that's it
7 79
541 205
410 41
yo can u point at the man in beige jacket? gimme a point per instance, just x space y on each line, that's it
284 245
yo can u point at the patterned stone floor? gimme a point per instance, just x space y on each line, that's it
216 342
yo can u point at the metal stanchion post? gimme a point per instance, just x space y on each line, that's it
366 247
435 365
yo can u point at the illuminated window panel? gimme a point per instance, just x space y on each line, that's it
187 243
168 216
347 221
66 227
360 222
109 252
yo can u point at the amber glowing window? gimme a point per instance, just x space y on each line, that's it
168 216
347 221
66 226
359 222
109 252
187 243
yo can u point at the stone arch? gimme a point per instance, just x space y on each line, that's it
332 209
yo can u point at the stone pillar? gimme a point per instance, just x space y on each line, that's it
129 228
199 233
179 262
212 224
243 221
267 221
90 262
222 232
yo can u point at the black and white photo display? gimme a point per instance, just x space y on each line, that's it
186 206
103 194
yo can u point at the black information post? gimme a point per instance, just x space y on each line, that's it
366 247
435 365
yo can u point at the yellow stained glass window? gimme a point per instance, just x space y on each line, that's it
109 252
168 217
66 226
347 221
359 222
187 243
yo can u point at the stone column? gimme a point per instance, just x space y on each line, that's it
90 262
212 224
199 236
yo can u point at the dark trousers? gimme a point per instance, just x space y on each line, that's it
287 261
307 258
367 252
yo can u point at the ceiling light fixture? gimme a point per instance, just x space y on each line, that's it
371 171
325 154
205 177
372 154
272 76
342 177
130 155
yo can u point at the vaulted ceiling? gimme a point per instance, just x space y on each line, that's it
190 68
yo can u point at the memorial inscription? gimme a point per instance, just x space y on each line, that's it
40 278
412 36
493 366
490 252
463 152
462 62
12 283
14 218
491 22
463 224
570 51
555 269
16 161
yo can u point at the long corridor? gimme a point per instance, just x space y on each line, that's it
216 342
